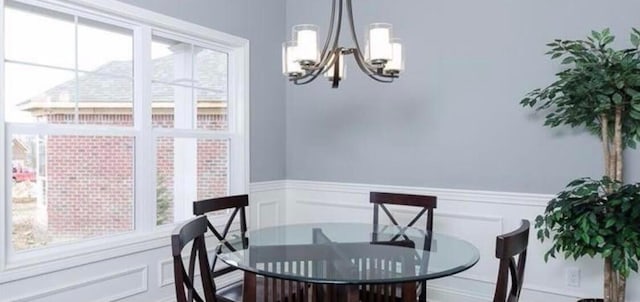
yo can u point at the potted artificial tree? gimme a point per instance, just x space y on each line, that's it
599 89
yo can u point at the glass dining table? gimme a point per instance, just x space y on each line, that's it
344 261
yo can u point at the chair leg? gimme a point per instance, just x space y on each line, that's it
423 291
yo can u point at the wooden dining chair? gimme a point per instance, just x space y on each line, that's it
237 205
508 247
186 291
426 203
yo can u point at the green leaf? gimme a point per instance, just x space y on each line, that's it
635 40
631 92
596 35
617 98
635 114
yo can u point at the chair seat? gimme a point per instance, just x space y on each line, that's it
231 292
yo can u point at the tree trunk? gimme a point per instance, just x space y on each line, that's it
622 287
608 281
617 141
604 133
617 281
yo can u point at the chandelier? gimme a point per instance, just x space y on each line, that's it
302 62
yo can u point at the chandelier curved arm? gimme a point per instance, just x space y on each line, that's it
324 57
330 32
357 51
313 75
378 76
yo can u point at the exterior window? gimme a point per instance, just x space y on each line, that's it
82 117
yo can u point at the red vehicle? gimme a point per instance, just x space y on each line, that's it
23 174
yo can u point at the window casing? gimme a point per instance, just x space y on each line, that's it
141 136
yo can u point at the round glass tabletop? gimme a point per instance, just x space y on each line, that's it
348 253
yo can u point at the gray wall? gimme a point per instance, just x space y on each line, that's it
263 23
453 119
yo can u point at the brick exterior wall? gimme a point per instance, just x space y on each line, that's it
89 189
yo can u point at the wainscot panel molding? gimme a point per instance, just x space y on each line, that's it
142 273
476 216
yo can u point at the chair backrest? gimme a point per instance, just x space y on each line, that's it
192 231
238 204
427 203
508 246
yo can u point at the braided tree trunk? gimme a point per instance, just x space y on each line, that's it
614 282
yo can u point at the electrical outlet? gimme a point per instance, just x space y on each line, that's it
572 276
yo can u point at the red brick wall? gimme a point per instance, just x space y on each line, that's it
89 190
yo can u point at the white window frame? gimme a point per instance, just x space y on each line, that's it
146 234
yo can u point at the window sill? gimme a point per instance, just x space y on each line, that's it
64 257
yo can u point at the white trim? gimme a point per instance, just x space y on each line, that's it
142 270
4 208
264 186
116 248
71 129
489 197
146 236
162 21
142 115
193 133
264 203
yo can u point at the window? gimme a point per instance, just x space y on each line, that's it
115 125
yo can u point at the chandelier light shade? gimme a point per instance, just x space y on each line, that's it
303 61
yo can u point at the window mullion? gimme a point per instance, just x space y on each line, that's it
238 120
4 213
145 168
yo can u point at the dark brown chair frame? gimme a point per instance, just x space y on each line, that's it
426 202
238 204
508 246
192 231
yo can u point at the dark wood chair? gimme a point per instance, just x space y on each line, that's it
237 203
192 231
425 202
508 247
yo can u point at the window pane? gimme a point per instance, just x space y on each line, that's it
68 188
196 168
39 36
213 168
105 100
211 71
164 98
164 180
105 48
212 112
38 94
172 61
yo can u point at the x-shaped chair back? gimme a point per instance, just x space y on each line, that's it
379 200
186 291
427 205
508 246
238 203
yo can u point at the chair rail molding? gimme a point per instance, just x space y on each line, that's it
474 215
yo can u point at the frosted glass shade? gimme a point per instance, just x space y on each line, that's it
396 64
290 66
379 43
306 37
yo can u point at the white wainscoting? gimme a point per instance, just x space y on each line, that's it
145 274
476 216
141 275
